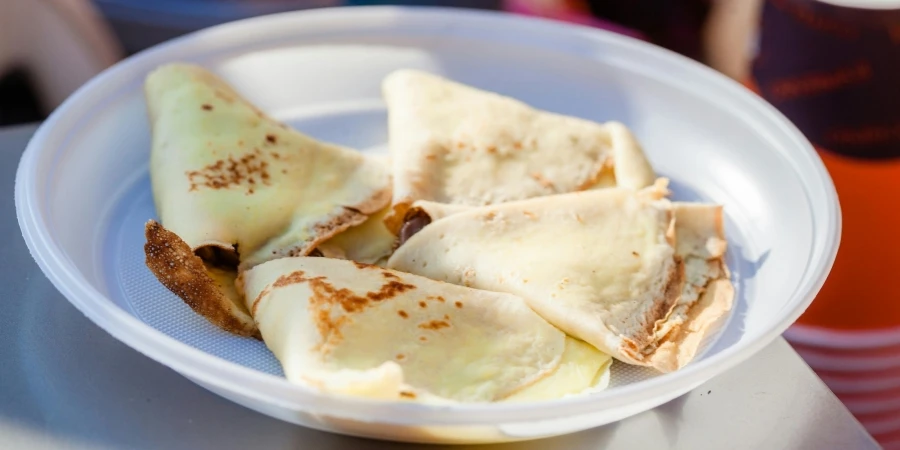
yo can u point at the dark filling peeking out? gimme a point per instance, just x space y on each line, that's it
222 258
415 220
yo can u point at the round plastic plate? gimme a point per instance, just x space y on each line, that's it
83 192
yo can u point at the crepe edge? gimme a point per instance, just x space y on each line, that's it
681 344
632 347
631 167
331 226
352 216
183 273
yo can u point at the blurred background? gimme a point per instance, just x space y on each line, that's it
50 47
831 66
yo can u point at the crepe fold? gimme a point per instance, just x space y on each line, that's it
633 274
455 144
350 328
370 242
233 187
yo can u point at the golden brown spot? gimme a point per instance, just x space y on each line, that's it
292 278
460 145
389 275
423 338
542 181
490 215
517 145
389 290
423 305
207 107
446 317
458 304
231 172
406 394
606 170
400 357
276 155
350 302
271 138
329 328
529 214
430 157
362 266
284 171
403 314
325 297
635 253
578 218
434 325
492 149
258 298
437 298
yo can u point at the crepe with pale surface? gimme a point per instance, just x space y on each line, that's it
456 144
236 187
350 328
606 266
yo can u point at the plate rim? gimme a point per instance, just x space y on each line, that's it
200 366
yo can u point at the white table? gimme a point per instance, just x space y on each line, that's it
65 383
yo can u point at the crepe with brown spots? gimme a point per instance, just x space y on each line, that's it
239 188
627 271
452 143
352 328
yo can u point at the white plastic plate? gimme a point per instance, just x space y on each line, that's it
83 193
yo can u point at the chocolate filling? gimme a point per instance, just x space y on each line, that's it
222 258
415 220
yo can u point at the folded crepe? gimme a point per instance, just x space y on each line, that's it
707 294
370 242
452 143
627 271
234 187
356 329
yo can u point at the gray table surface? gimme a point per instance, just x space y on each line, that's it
65 383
